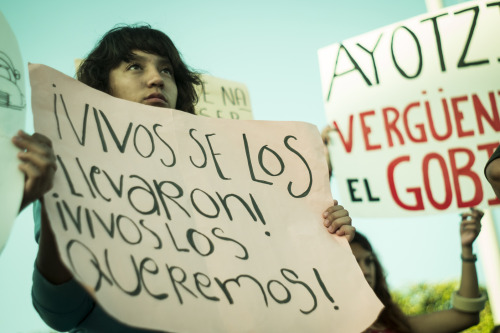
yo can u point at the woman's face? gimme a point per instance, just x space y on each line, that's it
147 79
366 262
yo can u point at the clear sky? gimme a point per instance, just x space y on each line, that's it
271 46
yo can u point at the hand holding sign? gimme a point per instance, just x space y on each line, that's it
38 165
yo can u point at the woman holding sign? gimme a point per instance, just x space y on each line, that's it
142 65
467 302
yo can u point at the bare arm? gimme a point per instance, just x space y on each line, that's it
48 260
448 321
59 300
38 164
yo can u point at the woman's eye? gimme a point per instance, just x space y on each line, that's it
368 261
134 67
166 71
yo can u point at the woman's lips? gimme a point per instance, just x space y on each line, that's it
156 99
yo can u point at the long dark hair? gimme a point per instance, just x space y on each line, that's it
391 316
117 46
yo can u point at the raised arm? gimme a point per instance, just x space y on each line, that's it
468 301
59 300
38 163
48 260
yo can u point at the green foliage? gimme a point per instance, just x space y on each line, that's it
426 298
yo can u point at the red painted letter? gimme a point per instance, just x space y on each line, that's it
466 172
417 191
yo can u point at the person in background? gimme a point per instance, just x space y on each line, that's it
138 64
467 301
492 171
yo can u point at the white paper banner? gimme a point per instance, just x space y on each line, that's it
186 223
415 111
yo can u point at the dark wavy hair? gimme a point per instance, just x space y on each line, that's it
117 46
391 316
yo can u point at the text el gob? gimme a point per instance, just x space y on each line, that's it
400 129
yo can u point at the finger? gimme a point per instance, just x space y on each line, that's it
37 142
339 223
470 223
324 134
19 141
37 156
31 172
331 208
348 231
334 216
35 136
471 218
42 139
467 216
23 134
345 230
476 212
470 227
46 165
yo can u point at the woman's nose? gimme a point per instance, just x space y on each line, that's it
154 78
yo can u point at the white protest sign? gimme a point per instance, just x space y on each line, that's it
185 223
219 98
12 117
415 108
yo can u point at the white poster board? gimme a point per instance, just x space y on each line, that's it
185 223
12 117
415 108
220 98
